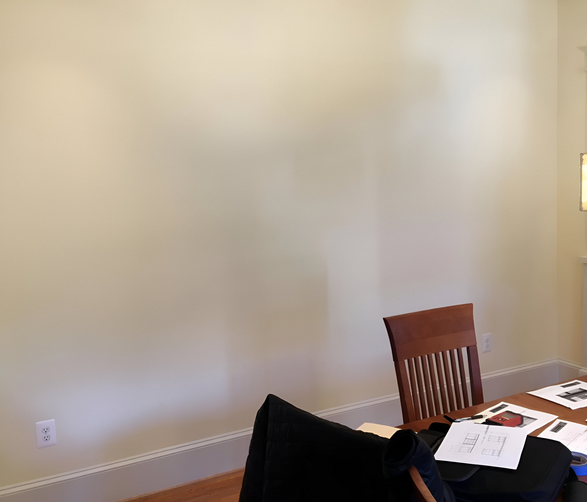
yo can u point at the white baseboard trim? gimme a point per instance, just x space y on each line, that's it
130 461
180 464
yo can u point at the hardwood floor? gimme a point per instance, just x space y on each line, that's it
221 488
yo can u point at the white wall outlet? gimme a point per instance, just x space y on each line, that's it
46 433
486 342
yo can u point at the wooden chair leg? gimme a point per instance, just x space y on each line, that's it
422 492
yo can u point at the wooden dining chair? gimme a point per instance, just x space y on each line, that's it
428 353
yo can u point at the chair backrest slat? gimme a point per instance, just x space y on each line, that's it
427 383
452 405
416 390
422 387
433 383
463 379
455 379
441 383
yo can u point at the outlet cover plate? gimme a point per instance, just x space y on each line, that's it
46 433
486 342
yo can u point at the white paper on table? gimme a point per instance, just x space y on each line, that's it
385 431
531 419
571 394
571 434
493 445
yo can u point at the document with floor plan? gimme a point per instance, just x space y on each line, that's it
571 434
493 445
571 394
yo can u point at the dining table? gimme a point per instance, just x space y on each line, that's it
527 401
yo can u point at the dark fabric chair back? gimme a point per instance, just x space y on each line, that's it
295 456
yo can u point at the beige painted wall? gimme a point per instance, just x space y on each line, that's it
203 202
572 239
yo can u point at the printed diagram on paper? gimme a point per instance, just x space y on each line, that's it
469 443
497 443
493 445
571 394
571 434
531 419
